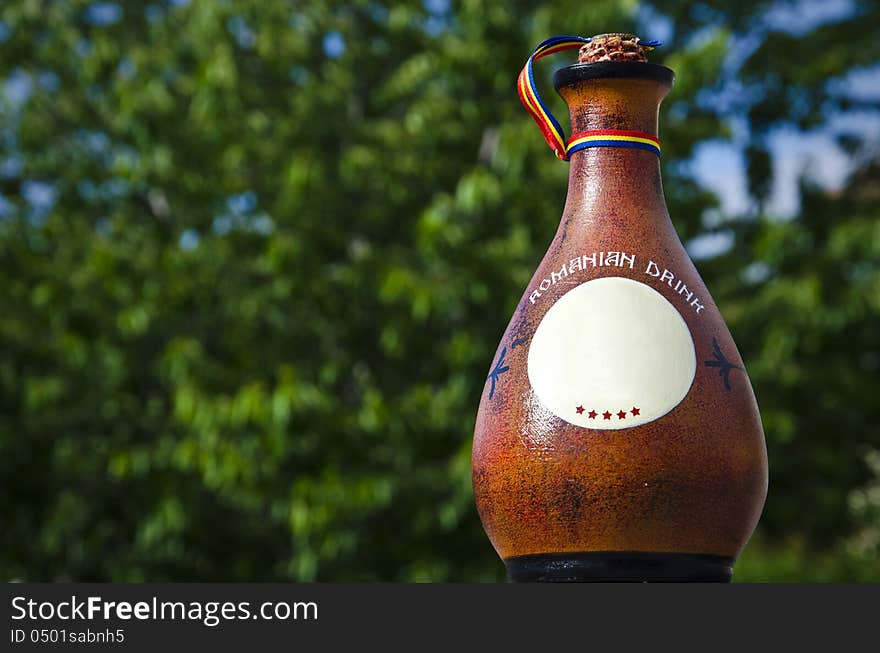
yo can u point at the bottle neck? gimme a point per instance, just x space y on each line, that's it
602 179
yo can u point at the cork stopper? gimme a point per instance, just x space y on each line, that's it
613 47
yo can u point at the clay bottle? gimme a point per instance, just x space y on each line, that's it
618 437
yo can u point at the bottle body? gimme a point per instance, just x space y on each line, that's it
618 436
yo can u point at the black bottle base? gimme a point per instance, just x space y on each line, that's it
619 566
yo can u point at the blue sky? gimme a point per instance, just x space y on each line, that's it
719 165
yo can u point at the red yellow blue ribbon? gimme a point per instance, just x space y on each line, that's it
612 138
550 127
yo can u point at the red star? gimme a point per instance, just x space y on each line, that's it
635 411
621 415
592 414
580 410
606 415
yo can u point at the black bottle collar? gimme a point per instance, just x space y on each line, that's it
613 70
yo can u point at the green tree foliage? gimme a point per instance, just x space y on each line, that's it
256 258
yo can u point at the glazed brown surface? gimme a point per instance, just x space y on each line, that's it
692 481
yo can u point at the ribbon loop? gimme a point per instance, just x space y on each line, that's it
528 91
550 127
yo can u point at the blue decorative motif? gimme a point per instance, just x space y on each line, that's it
500 368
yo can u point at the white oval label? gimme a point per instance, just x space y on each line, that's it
611 353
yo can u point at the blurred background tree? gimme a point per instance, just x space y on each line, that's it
256 257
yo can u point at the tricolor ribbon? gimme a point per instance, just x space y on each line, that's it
612 138
550 127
